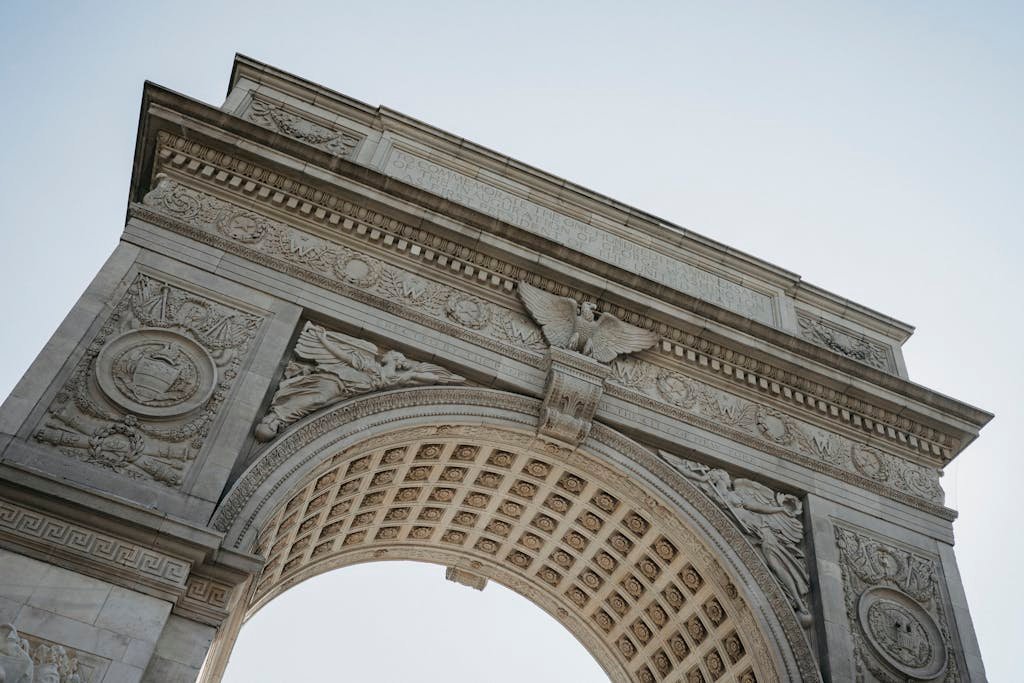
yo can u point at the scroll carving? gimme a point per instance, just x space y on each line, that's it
895 611
142 398
332 367
574 388
772 521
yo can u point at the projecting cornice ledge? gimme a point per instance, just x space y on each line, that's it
313 173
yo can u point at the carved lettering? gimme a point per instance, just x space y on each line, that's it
580 236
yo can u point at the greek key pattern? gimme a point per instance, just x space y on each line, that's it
85 542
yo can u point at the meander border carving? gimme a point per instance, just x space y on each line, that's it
53 533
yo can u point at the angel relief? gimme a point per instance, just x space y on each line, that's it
571 325
340 367
772 521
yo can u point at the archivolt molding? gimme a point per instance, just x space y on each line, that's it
318 208
318 467
459 314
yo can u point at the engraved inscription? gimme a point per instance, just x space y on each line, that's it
580 236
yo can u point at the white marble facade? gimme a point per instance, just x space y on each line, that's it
333 334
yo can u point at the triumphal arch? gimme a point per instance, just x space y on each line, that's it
334 334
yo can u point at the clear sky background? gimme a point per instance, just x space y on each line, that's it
873 147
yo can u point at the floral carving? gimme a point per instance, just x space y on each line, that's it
276 117
141 400
285 248
846 343
726 413
467 310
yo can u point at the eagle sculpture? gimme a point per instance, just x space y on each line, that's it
571 325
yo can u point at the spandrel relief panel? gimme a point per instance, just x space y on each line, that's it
771 521
141 400
896 610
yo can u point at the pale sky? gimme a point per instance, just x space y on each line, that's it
875 148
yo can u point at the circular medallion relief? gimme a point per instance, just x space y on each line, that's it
155 372
903 633
357 269
468 311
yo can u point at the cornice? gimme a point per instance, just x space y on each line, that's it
566 193
324 261
332 215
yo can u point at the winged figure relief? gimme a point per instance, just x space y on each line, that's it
772 521
339 367
571 325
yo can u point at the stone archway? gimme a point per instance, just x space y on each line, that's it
610 541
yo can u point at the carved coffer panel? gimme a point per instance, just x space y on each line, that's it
897 611
142 399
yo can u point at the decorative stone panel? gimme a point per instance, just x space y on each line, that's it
768 429
771 521
303 126
846 342
24 658
896 611
448 310
143 397
575 384
369 227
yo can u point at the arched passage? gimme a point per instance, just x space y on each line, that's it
648 575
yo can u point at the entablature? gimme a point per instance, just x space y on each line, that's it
349 229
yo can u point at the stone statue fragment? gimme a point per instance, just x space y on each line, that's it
341 367
571 325
16 665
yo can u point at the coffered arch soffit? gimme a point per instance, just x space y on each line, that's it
637 563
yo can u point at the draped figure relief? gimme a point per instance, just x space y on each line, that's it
340 367
772 521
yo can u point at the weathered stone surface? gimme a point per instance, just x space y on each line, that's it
360 342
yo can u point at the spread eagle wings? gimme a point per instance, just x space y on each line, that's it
613 337
559 319
555 314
